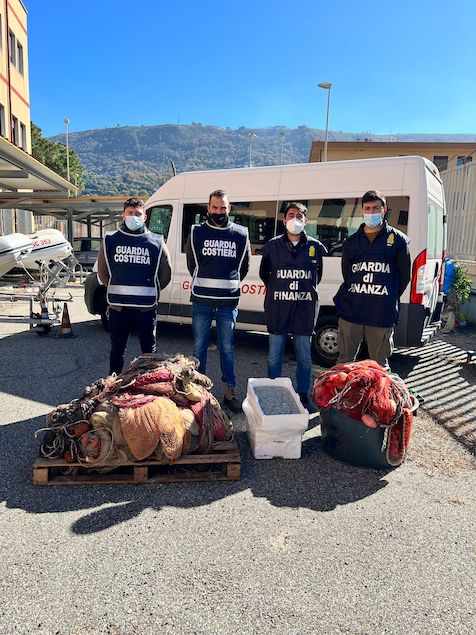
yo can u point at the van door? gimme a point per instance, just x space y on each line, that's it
436 245
161 219
260 219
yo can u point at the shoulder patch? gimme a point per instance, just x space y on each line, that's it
390 239
312 251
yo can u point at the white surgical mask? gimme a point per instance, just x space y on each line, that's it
372 220
134 223
295 226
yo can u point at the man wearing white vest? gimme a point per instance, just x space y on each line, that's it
218 254
134 265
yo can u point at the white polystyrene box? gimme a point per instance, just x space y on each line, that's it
266 446
273 436
277 425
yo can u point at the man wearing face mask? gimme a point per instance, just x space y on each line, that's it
376 269
134 265
291 269
218 256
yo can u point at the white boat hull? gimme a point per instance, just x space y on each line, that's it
48 245
14 248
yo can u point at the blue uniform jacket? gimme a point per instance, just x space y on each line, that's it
291 275
218 259
375 276
133 261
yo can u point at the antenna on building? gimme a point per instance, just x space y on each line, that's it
174 171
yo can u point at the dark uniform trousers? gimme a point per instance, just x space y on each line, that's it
121 324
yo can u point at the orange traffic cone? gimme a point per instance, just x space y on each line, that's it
44 310
65 328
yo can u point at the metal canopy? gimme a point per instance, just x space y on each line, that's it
91 210
20 171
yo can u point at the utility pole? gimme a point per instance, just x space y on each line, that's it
251 136
282 134
66 123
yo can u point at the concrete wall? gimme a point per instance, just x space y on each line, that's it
460 194
14 87
343 150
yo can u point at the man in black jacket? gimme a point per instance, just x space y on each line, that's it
291 269
218 257
376 269
134 265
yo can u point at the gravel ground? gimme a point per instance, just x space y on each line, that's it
295 547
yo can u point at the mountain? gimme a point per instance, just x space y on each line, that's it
137 159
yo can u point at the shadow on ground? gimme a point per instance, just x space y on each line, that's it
440 374
315 481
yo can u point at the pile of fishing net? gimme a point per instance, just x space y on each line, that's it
159 408
366 392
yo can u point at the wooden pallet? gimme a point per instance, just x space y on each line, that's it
224 464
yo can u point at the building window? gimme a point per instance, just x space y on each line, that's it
15 130
22 136
3 130
13 48
463 160
20 58
441 162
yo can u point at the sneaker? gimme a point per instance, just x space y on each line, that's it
231 400
304 399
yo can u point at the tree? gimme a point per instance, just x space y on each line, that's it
53 155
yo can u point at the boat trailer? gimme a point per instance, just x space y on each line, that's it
44 294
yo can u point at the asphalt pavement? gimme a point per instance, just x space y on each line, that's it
295 547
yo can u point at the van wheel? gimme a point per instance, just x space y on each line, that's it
324 342
105 320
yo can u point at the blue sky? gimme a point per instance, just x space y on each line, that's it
401 66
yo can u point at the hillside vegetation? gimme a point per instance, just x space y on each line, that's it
137 159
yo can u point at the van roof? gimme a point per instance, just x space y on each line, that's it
305 178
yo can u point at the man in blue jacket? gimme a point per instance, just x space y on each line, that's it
218 257
291 269
134 265
376 269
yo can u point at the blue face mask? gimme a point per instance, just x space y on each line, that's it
373 220
134 223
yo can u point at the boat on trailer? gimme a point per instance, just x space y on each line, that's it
48 245
14 248
33 251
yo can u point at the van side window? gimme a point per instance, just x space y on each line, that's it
332 220
397 212
159 218
193 214
257 216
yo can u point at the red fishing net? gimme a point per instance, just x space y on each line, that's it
368 393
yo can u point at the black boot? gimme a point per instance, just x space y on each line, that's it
230 399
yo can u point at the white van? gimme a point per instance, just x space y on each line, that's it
331 191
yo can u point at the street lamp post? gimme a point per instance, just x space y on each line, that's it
251 136
66 123
327 86
282 134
